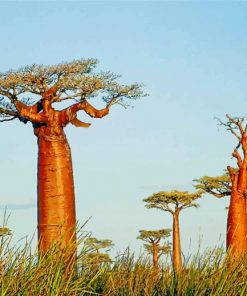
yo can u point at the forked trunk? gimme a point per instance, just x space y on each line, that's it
237 224
56 199
177 259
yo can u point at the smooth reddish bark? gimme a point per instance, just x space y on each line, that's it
56 198
237 215
237 225
177 258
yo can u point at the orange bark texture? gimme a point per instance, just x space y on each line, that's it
237 214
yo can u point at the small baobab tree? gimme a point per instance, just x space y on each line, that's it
173 202
154 243
233 184
94 248
58 93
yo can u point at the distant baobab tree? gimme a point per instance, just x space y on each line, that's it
233 184
154 243
74 83
94 248
173 202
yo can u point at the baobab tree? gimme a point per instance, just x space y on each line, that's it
94 248
74 83
173 202
154 243
233 184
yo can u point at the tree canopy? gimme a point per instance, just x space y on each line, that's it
218 186
171 200
98 244
75 81
154 235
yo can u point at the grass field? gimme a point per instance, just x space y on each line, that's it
208 274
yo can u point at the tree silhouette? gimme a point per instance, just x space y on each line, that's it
234 184
74 83
173 202
154 243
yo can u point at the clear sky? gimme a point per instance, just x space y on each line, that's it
191 56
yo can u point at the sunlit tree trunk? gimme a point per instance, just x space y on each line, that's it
237 215
56 198
237 225
155 256
177 259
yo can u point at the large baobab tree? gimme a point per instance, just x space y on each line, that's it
74 83
233 184
173 202
154 243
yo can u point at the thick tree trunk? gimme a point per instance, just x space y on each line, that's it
56 199
237 224
177 259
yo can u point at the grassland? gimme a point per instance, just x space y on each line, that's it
23 273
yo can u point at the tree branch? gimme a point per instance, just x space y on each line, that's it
234 176
69 114
237 122
229 126
238 157
30 112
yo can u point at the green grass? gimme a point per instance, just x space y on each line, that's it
21 273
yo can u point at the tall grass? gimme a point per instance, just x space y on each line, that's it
23 273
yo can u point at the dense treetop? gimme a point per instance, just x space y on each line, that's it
171 200
153 235
218 186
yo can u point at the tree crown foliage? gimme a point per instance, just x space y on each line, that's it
94 246
154 235
218 186
76 81
155 238
172 201
163 249
97 244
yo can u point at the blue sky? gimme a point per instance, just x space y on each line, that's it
191 56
